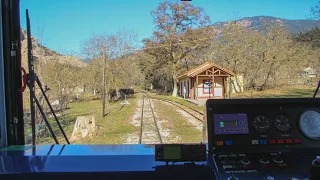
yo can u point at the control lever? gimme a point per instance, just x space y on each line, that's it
232 178
277 159
264 160
245 161
315 169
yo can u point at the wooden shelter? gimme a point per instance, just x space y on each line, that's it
207 81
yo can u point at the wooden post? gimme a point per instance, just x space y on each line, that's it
230 89
194 88
191 88
188 89
212 82
223 87
197 84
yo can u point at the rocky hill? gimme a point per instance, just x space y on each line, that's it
294 26
44 54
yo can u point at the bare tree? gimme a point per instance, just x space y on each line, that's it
315 10
98 47
106 47
262 57
60 78
178 25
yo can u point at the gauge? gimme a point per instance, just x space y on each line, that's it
261 124
282 123
309 124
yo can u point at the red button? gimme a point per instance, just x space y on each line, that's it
272 141
288 141
297 141
280 141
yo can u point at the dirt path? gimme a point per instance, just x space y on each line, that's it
133 138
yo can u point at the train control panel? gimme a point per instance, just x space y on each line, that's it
264 138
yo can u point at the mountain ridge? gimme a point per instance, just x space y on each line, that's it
293 26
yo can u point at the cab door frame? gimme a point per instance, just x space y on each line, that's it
12 124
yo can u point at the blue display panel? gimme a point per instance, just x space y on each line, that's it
231 124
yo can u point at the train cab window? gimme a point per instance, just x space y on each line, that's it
167 89
109 69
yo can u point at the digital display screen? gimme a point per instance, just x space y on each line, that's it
229 124
172 153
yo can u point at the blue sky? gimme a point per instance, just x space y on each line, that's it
67 23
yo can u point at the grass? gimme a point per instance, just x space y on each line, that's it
116 124
178 100
177 123
111 128
285 92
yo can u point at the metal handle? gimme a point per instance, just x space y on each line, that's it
24 79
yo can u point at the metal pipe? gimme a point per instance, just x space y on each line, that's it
31 80
61 150
316 92
50 150
46 120
54 114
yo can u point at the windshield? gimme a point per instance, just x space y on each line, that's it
140 72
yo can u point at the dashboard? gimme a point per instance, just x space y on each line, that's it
268 123
264 138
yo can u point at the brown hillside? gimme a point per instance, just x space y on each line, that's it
44 54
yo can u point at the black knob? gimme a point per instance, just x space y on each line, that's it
316 163
264 160
277 159
245 161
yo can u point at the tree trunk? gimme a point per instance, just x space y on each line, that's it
234 86
104 86
268 75
108 104
94 91
175 86
60 98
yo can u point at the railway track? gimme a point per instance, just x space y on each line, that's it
191 111
149 130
